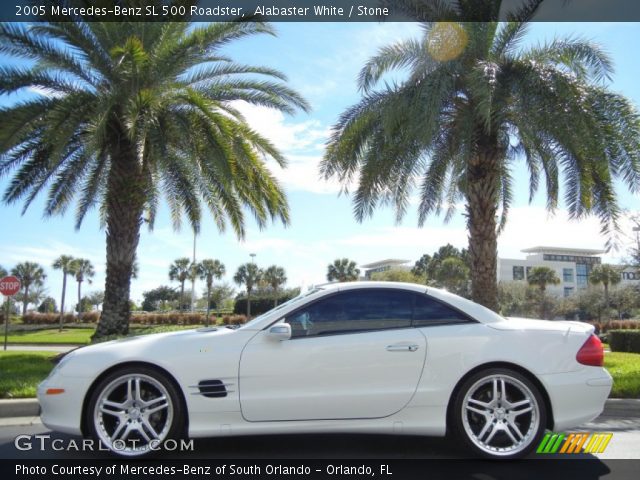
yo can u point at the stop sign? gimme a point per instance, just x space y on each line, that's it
9 286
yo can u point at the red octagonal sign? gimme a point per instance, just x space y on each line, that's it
9 286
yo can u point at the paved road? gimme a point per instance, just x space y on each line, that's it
625 444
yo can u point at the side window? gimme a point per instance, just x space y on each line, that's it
352 312
428 311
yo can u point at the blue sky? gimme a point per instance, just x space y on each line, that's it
322 62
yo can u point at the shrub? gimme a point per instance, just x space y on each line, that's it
604 327
173 318
624 341
33 318
234 319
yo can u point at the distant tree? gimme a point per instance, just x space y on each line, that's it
31 275
248 275
541 277
343 270
96 298
421 267
64 263
396 275
606 275
453 274
48 305
180 271
83 271
3 272
220 294
208 270
275 277
157 298
625 299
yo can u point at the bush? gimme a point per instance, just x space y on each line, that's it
624 341
173 318
33 318
604 327
234 319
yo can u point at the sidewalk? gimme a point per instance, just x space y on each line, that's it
42 348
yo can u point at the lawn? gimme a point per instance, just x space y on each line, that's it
625 370
78 336
22 372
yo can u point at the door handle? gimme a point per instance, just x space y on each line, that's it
402 348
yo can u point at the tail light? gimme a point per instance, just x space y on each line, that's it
591 353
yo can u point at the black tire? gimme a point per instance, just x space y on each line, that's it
144 416
474 429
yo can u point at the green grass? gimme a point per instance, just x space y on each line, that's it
79 336
22 372
625 370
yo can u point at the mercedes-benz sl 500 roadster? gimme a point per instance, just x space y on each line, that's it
361 357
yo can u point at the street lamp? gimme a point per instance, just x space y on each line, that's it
253 258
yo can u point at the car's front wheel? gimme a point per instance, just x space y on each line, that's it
132 411
499 413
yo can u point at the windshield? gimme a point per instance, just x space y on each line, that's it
293 301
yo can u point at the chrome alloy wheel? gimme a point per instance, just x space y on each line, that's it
133 413
500 415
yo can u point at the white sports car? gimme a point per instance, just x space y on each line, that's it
369 357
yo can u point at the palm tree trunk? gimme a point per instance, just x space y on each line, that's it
64 292
125 200
606 300
248 304
482 197
206 322
79 301
25 303
181 297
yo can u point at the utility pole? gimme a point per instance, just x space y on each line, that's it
193 276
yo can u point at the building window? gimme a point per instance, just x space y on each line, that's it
568 291
582 275
518 272
567 274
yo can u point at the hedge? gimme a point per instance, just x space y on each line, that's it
624 341
174 318
604 327
33 318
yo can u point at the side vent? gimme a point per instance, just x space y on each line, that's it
212 388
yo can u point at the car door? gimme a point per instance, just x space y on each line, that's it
352 354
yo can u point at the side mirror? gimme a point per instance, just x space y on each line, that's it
280 332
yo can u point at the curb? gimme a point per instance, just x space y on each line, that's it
29 407
20 407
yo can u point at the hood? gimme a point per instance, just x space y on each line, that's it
141 341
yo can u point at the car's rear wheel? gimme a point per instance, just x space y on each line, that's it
134 410
499 413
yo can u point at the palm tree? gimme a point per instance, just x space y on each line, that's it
66 264
474 101
31 275
134 112
83 270
606 275
541 277
343 270
208 269
275 277
249 275
179 271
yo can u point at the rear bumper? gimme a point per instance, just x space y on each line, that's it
577 397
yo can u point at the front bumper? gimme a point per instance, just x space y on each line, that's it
63 412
